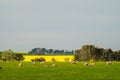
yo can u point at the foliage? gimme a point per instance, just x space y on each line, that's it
106 54
44 51
37 51
19 57
88 52
41 59
77 55
9 55
53 60
67 59
115 56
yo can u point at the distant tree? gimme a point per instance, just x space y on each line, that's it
50 51
98 54
38 51
8 55
77 55
91 52
115 55
44 51
106 54
86 53
19 57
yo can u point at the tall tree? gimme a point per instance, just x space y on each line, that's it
86 53
106 54
77 55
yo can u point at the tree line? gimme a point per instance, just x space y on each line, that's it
86 53
44 51
91 52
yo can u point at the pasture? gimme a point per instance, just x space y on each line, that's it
63 71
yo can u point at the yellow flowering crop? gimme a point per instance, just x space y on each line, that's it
48 58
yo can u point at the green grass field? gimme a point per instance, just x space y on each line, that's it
64 71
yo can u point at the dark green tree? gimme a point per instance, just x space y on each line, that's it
19 57
0 57
77 55
106 54
115 55
86 53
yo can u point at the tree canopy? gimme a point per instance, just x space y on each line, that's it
88 52
9 55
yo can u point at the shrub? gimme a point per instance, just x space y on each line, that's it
53 60
32 60
66 59
38 59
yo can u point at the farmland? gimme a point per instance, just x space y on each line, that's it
64 71
48 58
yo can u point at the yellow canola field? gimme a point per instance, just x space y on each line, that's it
48 58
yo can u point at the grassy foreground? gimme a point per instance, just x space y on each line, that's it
64 71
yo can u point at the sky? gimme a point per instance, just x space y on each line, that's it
59 24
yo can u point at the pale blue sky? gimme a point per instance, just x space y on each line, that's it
59 24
